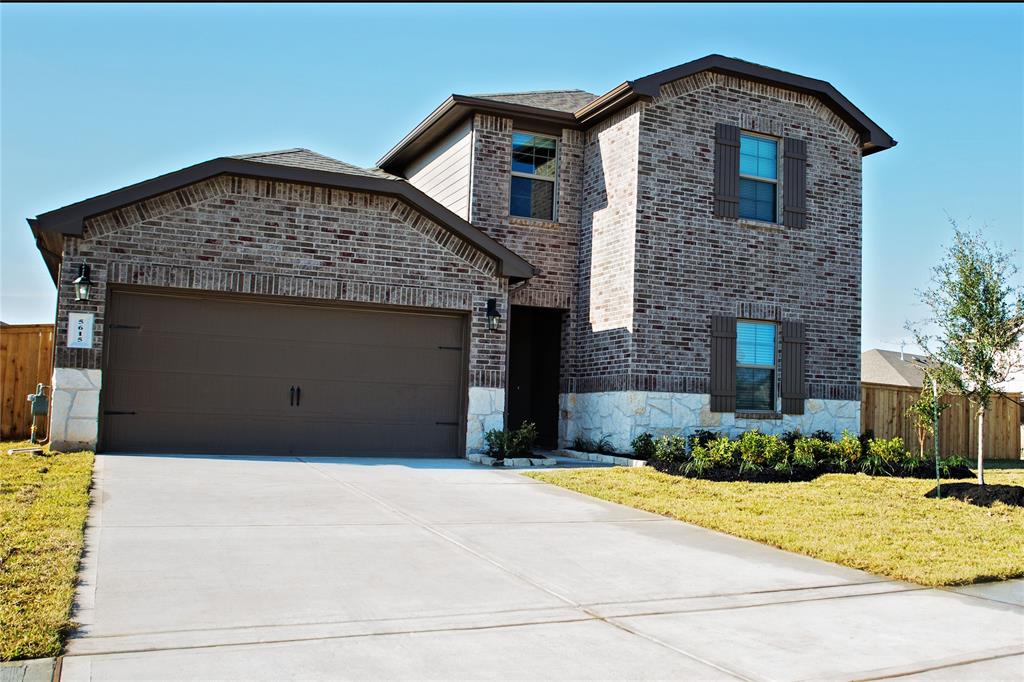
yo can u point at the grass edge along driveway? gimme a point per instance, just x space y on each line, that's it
878 524
44 501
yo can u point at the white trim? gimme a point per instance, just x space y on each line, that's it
774 367
777 181
532 176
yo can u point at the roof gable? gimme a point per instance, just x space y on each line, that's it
294 165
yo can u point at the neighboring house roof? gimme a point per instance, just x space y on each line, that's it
892 368
291 165
557 100
537 112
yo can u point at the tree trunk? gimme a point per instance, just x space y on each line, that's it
981 445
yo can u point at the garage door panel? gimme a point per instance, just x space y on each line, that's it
388 404
399 440
211 434
386 365
169 391
186 374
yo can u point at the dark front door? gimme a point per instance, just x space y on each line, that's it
209 374
535 345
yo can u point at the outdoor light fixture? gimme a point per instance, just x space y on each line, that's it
493 316
82 283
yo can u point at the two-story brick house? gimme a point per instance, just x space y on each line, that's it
681 252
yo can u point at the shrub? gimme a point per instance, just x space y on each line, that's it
822 435
722 453
751 449
955 466
643 446
718 455
518 443
864 439
845 453
791 437
670 450
602 446
808 452
702 437
760 451
888 456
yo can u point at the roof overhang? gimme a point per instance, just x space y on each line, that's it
873 138
50 228
457 107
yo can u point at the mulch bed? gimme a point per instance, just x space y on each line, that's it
983 495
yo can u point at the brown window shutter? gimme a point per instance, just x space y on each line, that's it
727 170
794 183
794 344
723 363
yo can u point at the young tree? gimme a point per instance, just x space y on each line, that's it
976 324
925 411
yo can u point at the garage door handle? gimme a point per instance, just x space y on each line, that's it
298 396
291 397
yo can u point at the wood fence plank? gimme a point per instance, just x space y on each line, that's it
884 412
26 359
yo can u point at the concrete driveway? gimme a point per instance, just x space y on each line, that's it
282 568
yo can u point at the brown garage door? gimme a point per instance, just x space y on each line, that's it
215 375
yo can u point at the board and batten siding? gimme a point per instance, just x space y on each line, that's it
443 173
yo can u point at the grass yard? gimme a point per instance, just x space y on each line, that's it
882 525
43 505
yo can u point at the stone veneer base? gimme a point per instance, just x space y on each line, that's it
623 415
75 408
486 412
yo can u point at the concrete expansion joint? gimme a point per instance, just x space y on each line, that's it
570 602
941 664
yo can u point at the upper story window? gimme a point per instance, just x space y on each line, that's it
759 178
534 166
755 366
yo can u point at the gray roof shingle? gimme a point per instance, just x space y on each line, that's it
887 367
556 100
304 158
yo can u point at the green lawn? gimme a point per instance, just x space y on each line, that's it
43 505
881 525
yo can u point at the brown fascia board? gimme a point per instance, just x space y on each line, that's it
457 107
454 110
873 138
70 220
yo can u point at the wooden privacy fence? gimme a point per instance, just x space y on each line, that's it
26 359
883 409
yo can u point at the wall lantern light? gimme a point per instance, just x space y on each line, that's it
493 316
82 283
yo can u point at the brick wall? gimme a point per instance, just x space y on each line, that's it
655 263
691 265
604 309
241 235
549 246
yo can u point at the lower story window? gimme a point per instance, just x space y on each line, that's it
755 366
533 198
757 200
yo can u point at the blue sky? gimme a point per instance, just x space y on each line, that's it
96 97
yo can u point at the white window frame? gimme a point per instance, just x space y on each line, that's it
758 178
774 366
534 176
